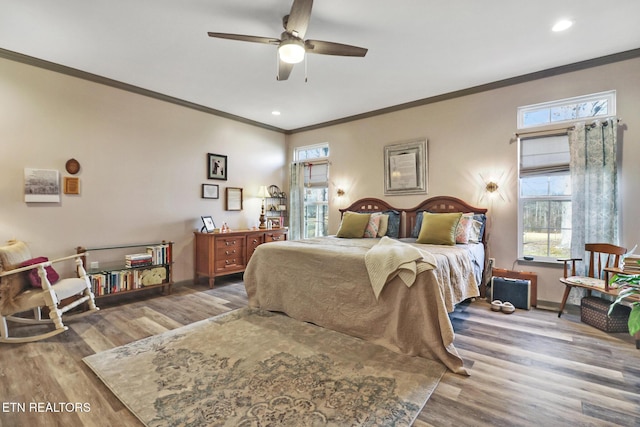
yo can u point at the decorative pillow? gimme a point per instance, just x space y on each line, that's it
439 228
384 224
353 225
474 232
393 226
482 219
13 254
34 277
418 225
464 228
373 226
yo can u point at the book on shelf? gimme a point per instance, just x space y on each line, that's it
111 282
160 254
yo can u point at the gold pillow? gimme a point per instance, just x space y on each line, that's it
439 228
353 225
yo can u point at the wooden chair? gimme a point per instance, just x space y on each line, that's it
18 295
601 257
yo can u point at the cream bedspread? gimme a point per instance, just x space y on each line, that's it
325 281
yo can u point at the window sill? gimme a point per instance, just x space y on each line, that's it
546 262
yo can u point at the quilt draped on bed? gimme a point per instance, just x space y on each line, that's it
325 281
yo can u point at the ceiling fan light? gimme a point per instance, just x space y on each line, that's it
291 51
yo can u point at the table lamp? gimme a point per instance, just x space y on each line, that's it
263 193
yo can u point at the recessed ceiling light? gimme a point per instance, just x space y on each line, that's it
562 25
275 113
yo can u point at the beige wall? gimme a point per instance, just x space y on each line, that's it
143 162
473 136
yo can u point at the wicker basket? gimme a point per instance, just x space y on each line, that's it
593 311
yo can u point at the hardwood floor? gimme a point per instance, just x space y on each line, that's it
527 369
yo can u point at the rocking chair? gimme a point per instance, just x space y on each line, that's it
25 284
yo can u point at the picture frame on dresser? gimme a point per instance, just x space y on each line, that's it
216 166
209 226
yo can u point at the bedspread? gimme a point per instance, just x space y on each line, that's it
324 281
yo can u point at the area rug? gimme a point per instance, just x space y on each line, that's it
256 368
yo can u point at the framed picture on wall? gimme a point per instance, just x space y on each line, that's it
234 199
405 168
210 191
216 166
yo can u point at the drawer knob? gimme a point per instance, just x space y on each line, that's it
230 252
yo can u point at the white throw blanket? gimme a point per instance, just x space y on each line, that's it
390 258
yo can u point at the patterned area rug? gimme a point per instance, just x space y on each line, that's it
255 368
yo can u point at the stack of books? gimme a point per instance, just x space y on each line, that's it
138 260
631 264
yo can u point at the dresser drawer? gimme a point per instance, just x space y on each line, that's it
275 236
253 241
229 253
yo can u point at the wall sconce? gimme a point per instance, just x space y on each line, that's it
491 187
263 193
340 192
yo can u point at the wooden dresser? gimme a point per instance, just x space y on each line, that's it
219 254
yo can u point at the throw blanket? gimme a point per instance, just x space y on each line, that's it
390 258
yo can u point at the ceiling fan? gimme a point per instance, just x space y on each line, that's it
291 44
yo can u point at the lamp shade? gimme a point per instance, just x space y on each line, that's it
263 192
291 51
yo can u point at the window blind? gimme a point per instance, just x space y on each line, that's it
316 174
544 154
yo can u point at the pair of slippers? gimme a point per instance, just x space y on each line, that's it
505 307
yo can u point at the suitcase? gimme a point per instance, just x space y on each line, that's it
515 291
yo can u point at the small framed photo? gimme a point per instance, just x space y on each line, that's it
275 223
216 166
210 191
209 226
71 185
234 199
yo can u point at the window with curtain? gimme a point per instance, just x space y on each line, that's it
310 192
567 177
545 197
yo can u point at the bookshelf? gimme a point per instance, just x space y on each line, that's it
276 209
129 268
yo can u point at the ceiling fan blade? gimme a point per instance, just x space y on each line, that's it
245 38
284 70
298 19
330 48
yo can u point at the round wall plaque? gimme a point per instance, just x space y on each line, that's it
72 166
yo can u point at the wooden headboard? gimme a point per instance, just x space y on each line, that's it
369 205
438 204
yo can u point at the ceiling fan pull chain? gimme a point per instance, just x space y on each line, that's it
305 67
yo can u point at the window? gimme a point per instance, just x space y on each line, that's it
316 189
545 197
544 194
569 110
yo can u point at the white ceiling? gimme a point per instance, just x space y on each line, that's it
417 49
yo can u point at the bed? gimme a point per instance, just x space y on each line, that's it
328 281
